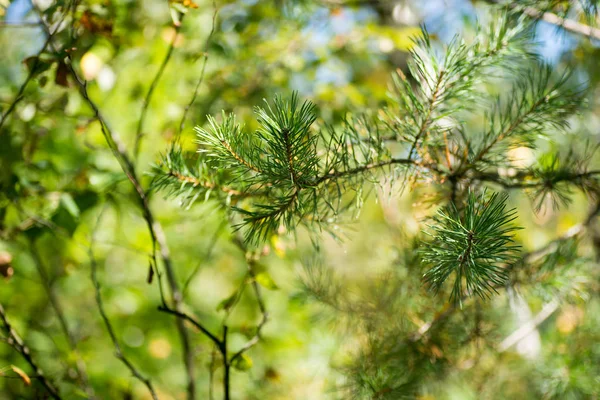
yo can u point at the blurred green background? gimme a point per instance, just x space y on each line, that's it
55 166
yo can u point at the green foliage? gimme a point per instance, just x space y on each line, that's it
90 248
474 245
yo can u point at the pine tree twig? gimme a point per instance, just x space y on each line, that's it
526 181
195 182
364 168
109 327
204 62
553 19
155 229
19 345
525 329
57 307
430 108
140 126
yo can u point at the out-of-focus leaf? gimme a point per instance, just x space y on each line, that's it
21 374
227 303
265 280
242 363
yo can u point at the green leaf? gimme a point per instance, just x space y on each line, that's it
66 200
242 363
227 303
264 279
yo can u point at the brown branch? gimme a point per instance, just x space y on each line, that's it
526 181
195 182
139 134
364 168
184 316
154 228
205 61
553 19
111 332
238 158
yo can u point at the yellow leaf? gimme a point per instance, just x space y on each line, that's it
265 280
22 374
242 363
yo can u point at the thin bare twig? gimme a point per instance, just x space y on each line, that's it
553 19
528 327
184 316
111 332
17 343
57 307
139 131
205 61
157 236
20 24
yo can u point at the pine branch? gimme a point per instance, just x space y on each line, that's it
471 245
533 105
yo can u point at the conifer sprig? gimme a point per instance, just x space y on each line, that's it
474 245
534 105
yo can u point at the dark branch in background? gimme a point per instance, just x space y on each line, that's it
17 343
56 306
111 332
239 241
526 181
364 168
20 24
222 344
553 19
155 229
204 62
139 132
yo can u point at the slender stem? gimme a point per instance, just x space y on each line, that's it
17 343
111 332
139 131
528 327
205 61
154 228
364 168
551 18
57 307
226 366
193 321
